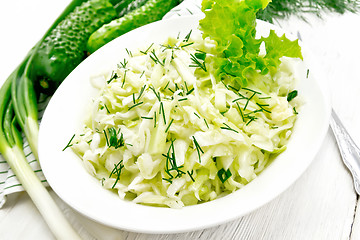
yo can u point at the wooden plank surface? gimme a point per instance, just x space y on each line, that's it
322 204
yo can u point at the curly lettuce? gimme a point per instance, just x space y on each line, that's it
232 25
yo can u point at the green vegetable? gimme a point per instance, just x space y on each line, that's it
151 11
292 95
65 46
238 59
11 148
280 9
60 50
127 6
18 104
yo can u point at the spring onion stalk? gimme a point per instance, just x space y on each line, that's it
25 106
23 93
11 148
19 114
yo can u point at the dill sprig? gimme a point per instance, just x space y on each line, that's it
162 112
157 94
170 164
191 175
123 64
227 127
281 9
168 127
155 58
198 61
187 37
198 148
117 171
69 144
146 51
107 109
135 105
112 139
113 76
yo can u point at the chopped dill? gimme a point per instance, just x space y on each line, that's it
248 100
262 107
141 92
168 127
295 112
186 45
198 148
113 76
251 90
206 123
129 52
224 175
240 111
123 64
117 172
154 119
227 127
135 105
292 95
170 164
156 94
69 143
107 109
112 139
147 118
123 82
162 111
146 51
197 62
187 37
191 175
155 58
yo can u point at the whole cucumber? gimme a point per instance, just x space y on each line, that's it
151 11
65 46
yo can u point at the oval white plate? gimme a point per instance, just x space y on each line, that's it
68 178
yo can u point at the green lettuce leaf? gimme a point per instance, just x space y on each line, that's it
232 25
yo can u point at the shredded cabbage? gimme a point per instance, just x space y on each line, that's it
163 131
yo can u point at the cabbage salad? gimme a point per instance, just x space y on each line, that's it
189 120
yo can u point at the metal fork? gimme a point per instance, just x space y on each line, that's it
349 151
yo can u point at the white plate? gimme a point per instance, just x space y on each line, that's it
68 178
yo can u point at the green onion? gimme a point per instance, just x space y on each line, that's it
224 175
11 148
292 95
